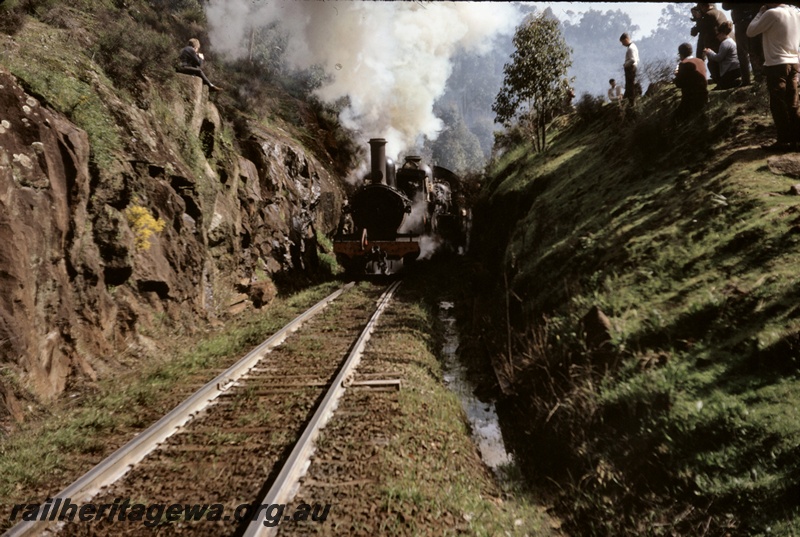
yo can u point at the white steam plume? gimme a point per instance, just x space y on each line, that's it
391 58
414 222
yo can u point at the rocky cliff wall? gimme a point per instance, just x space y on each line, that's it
177 224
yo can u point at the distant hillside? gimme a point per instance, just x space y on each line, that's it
645 279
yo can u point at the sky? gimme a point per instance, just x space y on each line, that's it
644 14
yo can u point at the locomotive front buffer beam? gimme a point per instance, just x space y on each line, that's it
352 252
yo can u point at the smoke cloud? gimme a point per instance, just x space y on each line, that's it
391 58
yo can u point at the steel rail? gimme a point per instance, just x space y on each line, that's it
286 484
117 464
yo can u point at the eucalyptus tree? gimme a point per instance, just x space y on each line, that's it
535 85
456 147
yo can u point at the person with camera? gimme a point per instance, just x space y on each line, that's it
708 20
695 31
726 59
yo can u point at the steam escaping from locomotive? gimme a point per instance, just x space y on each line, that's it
415 219
392 59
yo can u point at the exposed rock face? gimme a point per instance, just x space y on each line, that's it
44 188
87 255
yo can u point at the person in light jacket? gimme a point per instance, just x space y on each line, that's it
727 59
779 28
614 92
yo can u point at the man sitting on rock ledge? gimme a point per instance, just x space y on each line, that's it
191 61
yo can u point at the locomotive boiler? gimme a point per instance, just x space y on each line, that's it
394 211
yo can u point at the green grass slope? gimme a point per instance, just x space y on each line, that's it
681 414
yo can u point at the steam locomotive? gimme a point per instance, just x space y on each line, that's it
398 213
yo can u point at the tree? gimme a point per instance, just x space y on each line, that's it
456 148
597 26
661 46
473 84
535 85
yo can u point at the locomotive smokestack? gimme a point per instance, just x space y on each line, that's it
378 157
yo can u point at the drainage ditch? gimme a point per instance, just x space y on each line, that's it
481 415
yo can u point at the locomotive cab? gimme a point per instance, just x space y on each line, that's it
413 179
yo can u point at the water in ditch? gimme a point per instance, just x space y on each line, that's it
481 415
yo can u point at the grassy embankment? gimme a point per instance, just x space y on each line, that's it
435 482
688 420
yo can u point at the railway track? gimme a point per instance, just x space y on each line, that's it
242 440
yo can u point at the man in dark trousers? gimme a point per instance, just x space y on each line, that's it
631 64
190 62
779 27
751 55
690 77
710 19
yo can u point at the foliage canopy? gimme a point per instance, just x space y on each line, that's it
457 148
535 86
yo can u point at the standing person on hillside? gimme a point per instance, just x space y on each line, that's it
190 62
710 19
696 16
748 49
726 60
630 66
691 78
614 92
779 27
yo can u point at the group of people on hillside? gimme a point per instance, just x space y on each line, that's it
766 46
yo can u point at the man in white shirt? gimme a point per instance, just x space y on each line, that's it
614 92
630 65
779 27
